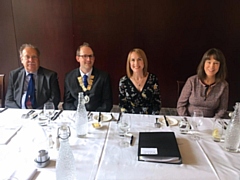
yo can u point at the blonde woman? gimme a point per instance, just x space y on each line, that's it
139 90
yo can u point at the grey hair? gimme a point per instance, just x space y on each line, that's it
30 46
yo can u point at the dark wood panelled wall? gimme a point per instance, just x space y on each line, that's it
174 35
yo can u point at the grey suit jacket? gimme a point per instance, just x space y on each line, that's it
100 93
47 88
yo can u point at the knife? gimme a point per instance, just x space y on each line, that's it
131 141
120 114
3 110
99 117
56 115
166 120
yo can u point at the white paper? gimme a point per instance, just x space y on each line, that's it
152 151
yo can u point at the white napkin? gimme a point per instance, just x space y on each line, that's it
24 173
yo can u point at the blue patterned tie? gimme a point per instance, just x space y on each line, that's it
85 82
30 96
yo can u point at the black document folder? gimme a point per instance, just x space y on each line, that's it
159 147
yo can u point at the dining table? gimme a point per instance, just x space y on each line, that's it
99 155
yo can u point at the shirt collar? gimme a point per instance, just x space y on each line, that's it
88 74
27 73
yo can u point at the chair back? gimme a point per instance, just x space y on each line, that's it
2 90
180 85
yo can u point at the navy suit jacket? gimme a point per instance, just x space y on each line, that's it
47 88
100 93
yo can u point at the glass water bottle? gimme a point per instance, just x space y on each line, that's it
232 138
81 120
65 165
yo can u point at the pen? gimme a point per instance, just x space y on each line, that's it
131 141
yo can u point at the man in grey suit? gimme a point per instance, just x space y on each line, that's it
45 81
97 88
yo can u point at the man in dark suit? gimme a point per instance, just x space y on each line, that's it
45 82
96 86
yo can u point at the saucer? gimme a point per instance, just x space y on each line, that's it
171 121
105 117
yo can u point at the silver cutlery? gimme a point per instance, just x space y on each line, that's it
3 110
165 118
113 118
56 114
99 117
25 116
131 140
119 117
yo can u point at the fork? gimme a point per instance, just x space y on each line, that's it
113 118
25 116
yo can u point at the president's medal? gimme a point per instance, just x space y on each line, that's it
88 88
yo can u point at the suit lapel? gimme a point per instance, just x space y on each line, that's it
19 85
40 78
96 75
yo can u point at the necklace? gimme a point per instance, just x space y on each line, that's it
138 82
90 82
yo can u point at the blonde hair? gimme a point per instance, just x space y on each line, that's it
142 54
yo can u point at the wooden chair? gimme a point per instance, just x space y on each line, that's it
180 85
2 90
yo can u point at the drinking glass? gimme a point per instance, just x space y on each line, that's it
123 127
48 110
218 130
197 120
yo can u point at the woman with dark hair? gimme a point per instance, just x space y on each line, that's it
208 90
139 91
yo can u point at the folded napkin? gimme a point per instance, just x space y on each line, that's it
24 173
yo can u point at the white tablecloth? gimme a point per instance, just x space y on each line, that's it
99 156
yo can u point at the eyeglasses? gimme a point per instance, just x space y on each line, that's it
86 56
28 57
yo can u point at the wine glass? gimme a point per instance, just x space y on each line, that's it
123 127
197 120
48 111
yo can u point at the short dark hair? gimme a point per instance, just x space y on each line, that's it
217 55
145 61
85 44
30 46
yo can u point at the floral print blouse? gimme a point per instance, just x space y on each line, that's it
133 101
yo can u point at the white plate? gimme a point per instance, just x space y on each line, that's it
171 121
105 117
